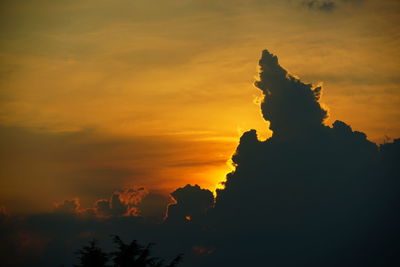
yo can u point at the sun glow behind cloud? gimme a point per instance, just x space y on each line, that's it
119 94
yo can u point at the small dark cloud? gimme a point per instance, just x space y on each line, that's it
192 203
322 5
132 201
69 206
112 207
327 5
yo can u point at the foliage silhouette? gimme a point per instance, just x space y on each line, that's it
127 255
92 256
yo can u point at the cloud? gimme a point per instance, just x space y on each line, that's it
132 201
129 201
192 203
308 195
327 5
291 107
68 206
320 5
111 208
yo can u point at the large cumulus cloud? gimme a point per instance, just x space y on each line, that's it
311 195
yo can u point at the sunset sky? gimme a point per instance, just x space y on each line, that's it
98 95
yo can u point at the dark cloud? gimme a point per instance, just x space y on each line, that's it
192 203
290 106
111 208
311 195
327 5
322 5
129 201
138 202
70 206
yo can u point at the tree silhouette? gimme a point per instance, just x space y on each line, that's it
135 255
127 255
92 256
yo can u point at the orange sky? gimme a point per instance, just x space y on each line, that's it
97 95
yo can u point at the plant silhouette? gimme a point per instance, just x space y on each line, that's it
127 255
92 256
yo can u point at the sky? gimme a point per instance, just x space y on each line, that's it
262 133
96 96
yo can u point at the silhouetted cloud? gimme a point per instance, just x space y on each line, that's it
129 201
113 207
308 195
192 203
133 202
290 106
68 206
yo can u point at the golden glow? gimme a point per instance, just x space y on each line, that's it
166 95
